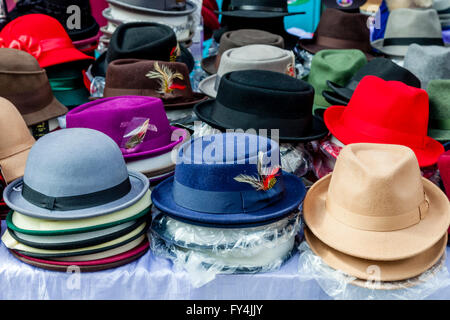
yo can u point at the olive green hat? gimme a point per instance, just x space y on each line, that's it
439 123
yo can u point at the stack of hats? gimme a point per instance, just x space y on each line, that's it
375 209
81 207
264 100
14 147
83 30
266 15
139 126
25 84
237 39
46 39
250 57
443 9
238 190
177 14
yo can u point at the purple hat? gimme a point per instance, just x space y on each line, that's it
139 125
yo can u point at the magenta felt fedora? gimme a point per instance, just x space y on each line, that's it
139 125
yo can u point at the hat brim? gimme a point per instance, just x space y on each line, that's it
60 56
313 48
334 99
14 167
427 156
344 92
82 268
388 270
209 65
189 103
73 98
295 191
190 8
257 14
157 165
398 51
207 86
439 135
372 245
204 112
14 199
53 110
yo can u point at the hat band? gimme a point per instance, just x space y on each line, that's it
115 92
443 124
408 41
382 135
378 224
227 202
76 202
343 43
256 8
66 84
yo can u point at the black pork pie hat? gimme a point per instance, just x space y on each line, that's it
142 40
258 9
58 10
382 68
257 99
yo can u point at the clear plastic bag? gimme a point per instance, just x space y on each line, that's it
341 286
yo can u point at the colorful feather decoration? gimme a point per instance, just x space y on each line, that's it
266 178
166 78
139 137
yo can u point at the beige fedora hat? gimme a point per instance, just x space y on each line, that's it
251 57
376 205
386 270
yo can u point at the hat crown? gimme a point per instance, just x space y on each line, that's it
439 94
405 22
376 180
338 24
338 62
74 162
384 104
17 60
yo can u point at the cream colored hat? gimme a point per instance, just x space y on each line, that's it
251 57
376 205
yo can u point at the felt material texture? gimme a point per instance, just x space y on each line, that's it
410 26
162 7
45 38
15 146
340 30
114 115
240 38
338 66
127 77
444 169
258 9
25 84
428 62
221 199
439 124
387 112
250 57
376 205
389 270
264 100
86 162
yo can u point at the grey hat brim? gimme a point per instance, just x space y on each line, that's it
190 8
399 51
14 199
207 86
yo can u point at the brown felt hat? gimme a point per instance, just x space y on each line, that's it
237 39
340 30
376 205
25 84
168 81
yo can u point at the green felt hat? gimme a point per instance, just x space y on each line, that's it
439 123
336 65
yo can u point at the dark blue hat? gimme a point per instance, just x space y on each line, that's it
229 180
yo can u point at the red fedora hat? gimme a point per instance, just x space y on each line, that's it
388 112
444 169
43 37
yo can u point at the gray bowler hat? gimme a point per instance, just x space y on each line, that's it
408 26
251 57
75 174
428 63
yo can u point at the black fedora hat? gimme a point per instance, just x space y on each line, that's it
382 68
258 9
143 40
256 99
58 10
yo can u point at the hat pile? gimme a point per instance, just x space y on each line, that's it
376 209
177 14
81 207
443 9
239 186
139 126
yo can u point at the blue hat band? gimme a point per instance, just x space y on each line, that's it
227 202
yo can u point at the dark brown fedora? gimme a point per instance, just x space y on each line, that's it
340 30
237 39
168 81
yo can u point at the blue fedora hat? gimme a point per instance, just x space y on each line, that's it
230 179
74 174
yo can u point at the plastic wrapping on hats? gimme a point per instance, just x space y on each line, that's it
341 286
195 253
97 87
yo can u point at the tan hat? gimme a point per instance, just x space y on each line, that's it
376 206
387 270
15 145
